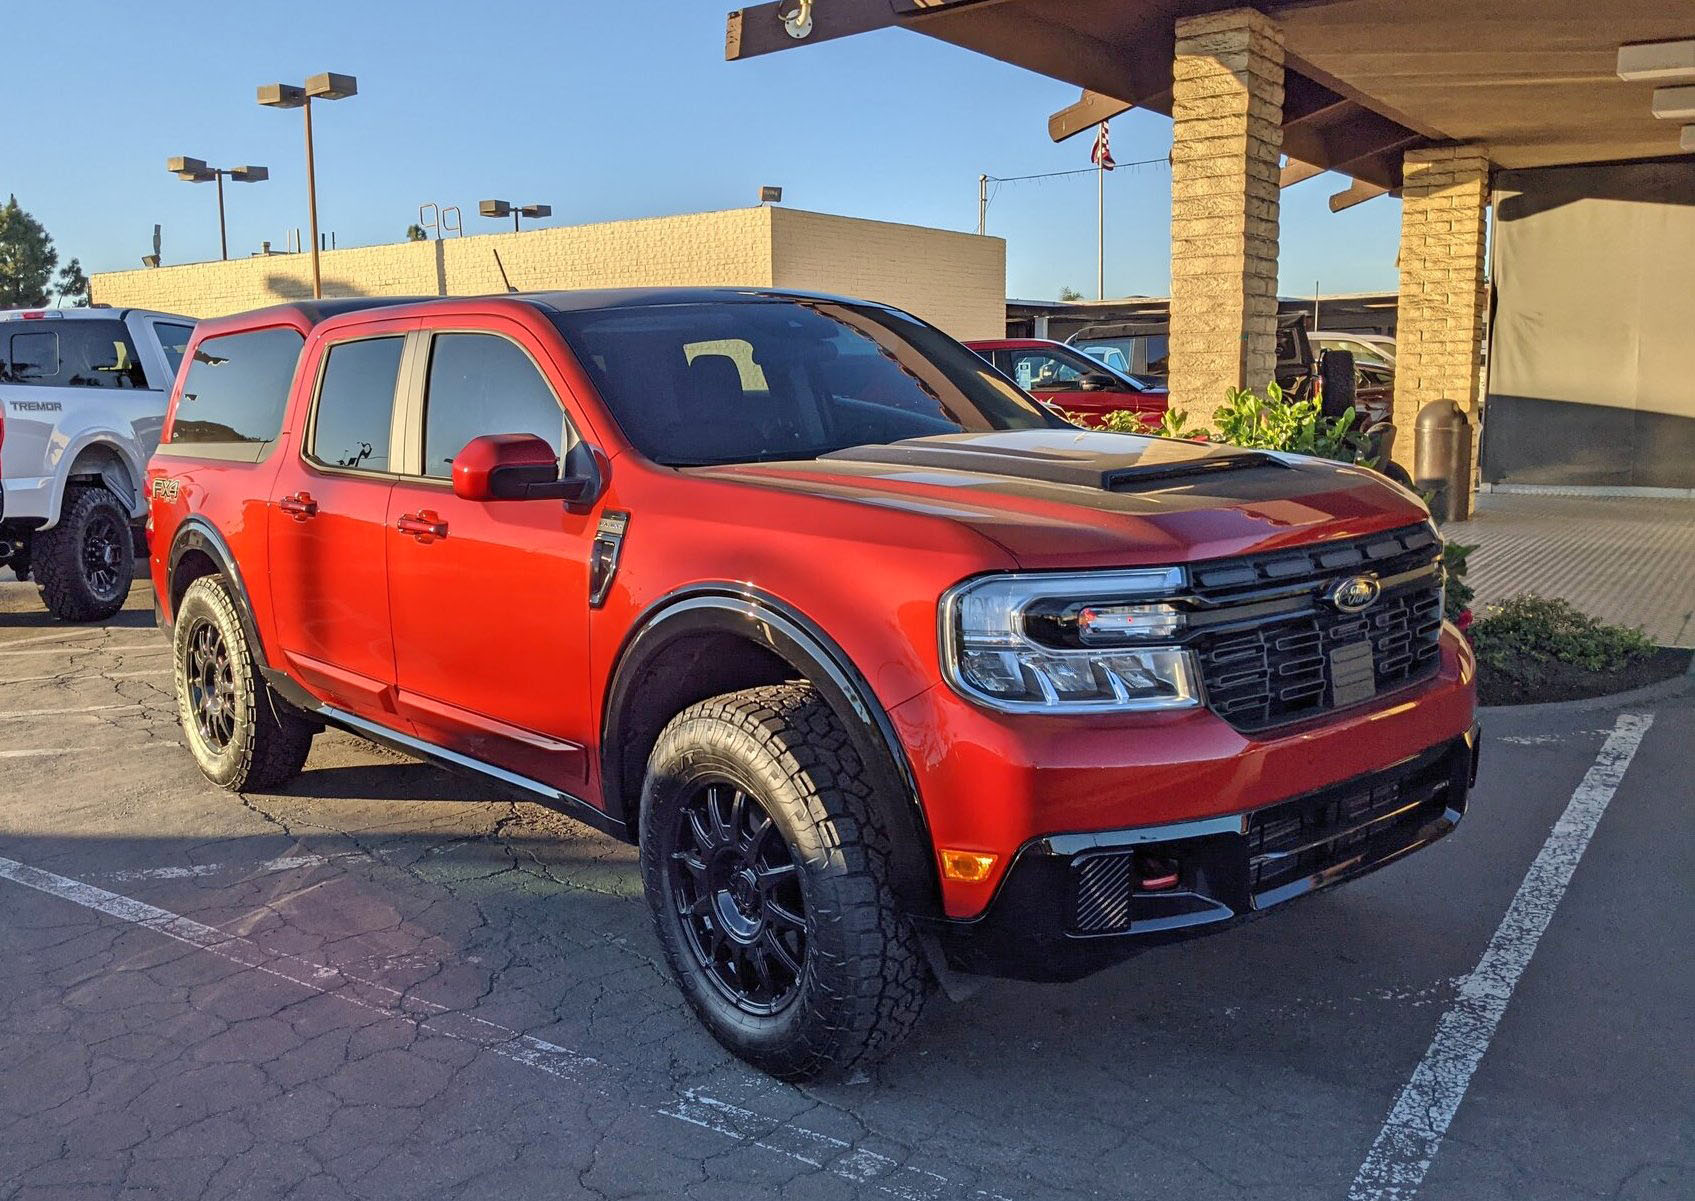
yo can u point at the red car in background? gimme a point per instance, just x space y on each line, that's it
1065 378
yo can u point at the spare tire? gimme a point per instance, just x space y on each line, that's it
1337 381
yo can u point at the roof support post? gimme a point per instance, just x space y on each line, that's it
1439 326
1227 127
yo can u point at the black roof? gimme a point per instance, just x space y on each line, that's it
586 300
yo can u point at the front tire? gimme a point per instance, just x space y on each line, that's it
84 565
243 736
767 872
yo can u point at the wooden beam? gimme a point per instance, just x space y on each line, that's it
1087 113
1357 192
1295 171
749 32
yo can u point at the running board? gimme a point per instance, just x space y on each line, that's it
571 806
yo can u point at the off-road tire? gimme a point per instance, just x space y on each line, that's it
269 739
864 979
58 558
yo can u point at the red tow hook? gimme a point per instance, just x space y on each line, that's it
1155 875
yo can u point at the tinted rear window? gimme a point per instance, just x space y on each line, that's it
236 388
70 354
692 384
356 404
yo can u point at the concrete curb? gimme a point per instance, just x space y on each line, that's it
1683 685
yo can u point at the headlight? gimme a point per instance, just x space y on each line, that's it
1079 643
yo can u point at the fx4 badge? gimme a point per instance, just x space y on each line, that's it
1354 594
165 488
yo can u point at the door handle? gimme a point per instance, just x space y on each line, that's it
300 504
422 525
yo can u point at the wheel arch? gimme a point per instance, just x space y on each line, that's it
101 456
672 635
199 550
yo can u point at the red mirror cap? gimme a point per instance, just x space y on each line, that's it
474 467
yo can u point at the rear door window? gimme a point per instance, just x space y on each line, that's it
483 384
355 407
234 393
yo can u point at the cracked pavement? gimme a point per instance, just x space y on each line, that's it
391 982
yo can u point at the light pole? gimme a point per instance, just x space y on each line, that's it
196 171
328 86
502 208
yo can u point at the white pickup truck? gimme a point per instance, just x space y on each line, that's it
82 401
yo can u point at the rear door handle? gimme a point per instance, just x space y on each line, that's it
300 504
422 525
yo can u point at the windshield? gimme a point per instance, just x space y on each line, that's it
753 381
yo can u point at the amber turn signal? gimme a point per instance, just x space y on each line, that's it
967 867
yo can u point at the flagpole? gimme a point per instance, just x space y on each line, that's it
1100 228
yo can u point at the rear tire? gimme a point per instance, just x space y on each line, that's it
242 734
86 563
757 827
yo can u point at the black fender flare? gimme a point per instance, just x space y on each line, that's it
791 636
196 533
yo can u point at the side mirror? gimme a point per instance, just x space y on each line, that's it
1095 382
524 467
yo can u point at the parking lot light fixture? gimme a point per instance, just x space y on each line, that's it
504 208
326 86
194 170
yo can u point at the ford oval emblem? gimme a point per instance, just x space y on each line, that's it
1354 594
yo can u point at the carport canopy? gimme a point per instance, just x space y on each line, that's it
1536 81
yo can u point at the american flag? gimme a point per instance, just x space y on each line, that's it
1101 155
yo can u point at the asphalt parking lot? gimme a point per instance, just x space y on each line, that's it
389 983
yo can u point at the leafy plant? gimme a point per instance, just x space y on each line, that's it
1521 636
1269 422
1459 594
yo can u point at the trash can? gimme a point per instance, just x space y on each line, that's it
1442 459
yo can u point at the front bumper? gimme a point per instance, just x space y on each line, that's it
1073 904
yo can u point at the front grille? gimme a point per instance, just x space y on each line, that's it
1300 657
1297 839
1103 894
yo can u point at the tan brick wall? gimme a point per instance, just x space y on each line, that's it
956 280
1227 137
1439 338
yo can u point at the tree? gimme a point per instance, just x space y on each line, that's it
1069 293
27 259
71 284
417 233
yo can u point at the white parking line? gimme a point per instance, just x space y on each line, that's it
59 636
1405 1147
93 675
20 714
797 1143
45 752
189 871
150 648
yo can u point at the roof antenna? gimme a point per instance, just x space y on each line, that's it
502 267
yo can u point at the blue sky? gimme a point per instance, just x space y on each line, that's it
611 109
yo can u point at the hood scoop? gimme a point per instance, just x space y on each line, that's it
1143 463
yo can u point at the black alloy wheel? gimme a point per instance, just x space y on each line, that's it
104 560
738 896
211 685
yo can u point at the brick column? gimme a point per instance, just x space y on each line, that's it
1439 335
1227 138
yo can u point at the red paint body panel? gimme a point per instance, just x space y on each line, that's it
479 638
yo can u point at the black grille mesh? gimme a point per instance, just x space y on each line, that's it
1280 672
1103 894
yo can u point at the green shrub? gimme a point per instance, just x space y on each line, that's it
1521 635
1459 594
1271 422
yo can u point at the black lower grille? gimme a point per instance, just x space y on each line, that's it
1103 894
1304 657
1293 841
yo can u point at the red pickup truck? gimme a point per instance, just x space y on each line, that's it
892 674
